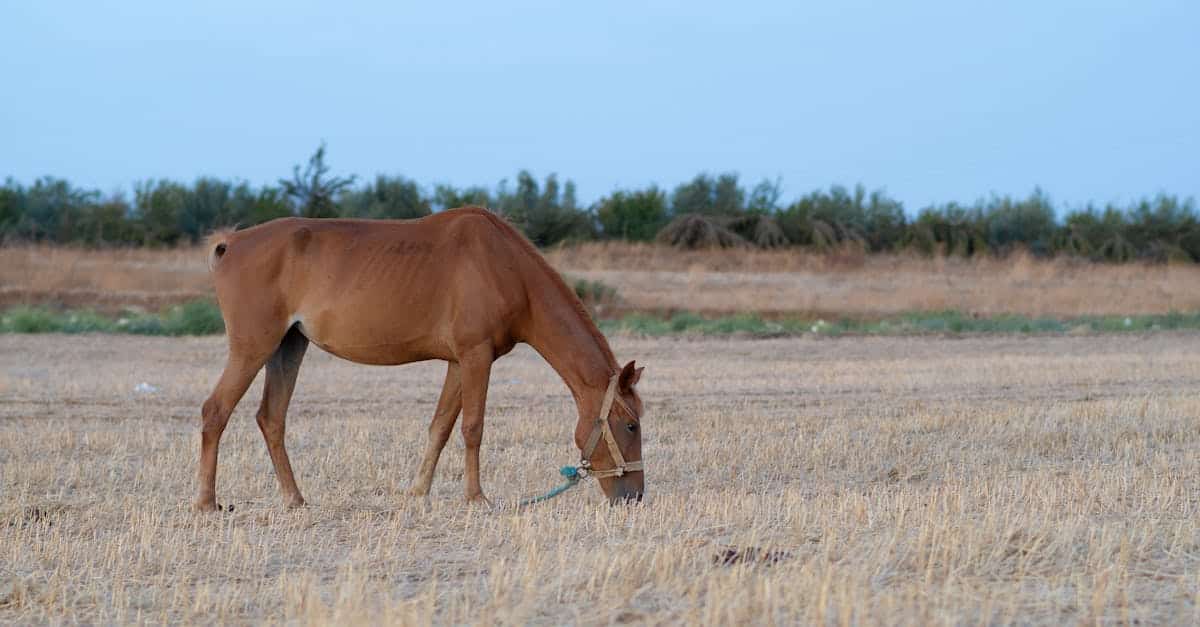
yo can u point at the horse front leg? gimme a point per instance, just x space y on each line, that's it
476 369
448 407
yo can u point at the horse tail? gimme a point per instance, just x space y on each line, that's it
218 243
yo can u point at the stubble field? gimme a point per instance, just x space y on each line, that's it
1042 480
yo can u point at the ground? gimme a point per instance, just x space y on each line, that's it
1038 480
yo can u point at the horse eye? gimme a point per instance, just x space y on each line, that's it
632 427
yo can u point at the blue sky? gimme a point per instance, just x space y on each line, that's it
934 101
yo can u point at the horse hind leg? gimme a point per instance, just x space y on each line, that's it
282 369
239 372
448 407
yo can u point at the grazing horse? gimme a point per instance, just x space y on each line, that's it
462 286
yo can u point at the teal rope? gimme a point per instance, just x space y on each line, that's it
571 473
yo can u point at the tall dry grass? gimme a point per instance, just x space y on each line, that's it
106 279
905 481
656 278
848 283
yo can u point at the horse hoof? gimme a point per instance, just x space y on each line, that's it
205 506
295 503
479 499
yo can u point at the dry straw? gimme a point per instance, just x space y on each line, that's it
887 480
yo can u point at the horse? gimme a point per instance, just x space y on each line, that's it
462 286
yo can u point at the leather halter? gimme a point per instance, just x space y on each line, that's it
602 429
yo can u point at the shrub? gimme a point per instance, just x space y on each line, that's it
24 319
834 219
594 294
949 230
705 195
1029 223
450 197
760 230
693 232
386 197
159 208
197 317
637 215
312 191
545 215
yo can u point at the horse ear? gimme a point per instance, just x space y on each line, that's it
630 375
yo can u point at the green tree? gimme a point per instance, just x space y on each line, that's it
106 223
705 195
950 229
265 205
1029 222
636 215
827 219
207 204
158 210
764 198
385 197
51 208
449 197
12 200
539 211
312 191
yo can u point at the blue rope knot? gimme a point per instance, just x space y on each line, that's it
570 473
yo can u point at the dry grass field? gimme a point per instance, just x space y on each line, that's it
784 283
1048 480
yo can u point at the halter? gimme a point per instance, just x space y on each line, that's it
602 428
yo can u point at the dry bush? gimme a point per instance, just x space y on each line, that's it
889 481
697 232
762 231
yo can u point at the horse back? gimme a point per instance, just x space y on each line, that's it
375 291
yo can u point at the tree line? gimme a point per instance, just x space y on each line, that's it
707 211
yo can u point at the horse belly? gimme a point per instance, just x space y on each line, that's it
372 336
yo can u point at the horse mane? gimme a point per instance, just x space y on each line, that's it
555 278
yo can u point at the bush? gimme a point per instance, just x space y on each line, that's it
693 232
386 197
833 219
760 230
949 230
705 195
24 319
1029 223
705 212
546 216
595 295
197 317
636 216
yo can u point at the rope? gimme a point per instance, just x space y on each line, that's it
570 473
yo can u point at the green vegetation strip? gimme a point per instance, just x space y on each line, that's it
198 317
203 318
925 323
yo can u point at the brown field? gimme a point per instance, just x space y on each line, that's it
1043 480
780 283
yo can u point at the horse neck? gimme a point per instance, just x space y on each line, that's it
570 343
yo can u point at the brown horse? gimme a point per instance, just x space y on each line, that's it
461 286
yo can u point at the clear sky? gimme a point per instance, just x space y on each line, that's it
934 101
